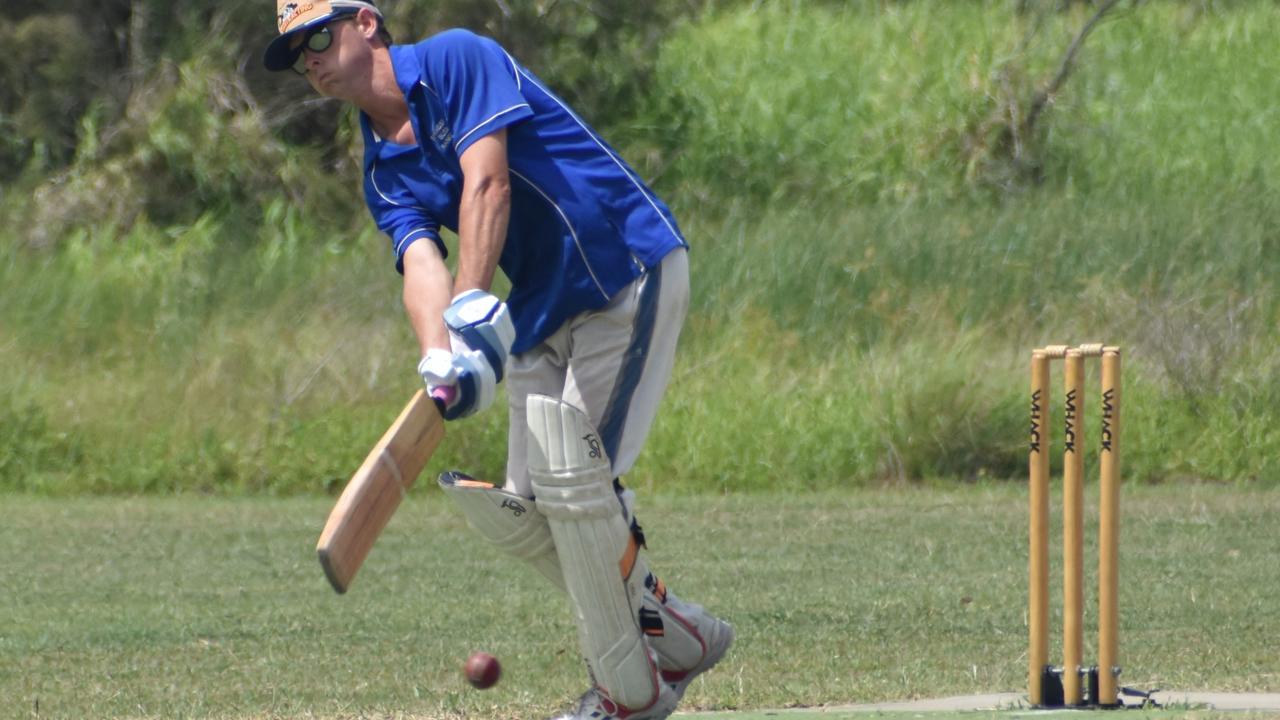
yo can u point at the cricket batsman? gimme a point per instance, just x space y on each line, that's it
459 135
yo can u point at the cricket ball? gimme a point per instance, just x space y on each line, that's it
482 670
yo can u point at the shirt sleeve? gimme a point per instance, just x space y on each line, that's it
396 213
477 82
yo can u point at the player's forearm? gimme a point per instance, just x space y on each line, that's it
482 230
483 213
428 288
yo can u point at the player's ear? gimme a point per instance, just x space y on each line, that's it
368 23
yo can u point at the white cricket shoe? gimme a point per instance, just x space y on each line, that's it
596 705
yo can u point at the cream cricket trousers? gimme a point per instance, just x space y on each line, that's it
613 364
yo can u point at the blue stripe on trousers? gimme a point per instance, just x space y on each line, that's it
633 362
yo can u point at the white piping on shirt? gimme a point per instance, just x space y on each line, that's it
515 70
572 232
373 180
458 143
599 143
410 237
404 241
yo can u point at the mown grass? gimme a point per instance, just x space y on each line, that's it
1011 711
828 714
198 607
867 282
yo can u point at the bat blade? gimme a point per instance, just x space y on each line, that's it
374 492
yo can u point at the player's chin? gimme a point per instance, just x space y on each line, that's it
324 82
319 85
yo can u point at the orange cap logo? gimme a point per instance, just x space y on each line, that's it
291 12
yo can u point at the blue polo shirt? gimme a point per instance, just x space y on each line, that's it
583 225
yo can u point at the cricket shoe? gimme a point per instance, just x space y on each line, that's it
595 704
690 640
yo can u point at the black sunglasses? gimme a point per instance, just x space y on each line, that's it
316 40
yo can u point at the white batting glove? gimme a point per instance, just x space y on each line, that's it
463 382
480 321
437 371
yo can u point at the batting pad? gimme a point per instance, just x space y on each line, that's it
515 526
599 559
507 520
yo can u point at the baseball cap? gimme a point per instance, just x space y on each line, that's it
294 16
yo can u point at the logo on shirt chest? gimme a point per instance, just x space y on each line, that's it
442 136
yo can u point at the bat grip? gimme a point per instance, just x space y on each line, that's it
443 396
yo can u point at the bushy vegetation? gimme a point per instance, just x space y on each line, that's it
151 112
193 298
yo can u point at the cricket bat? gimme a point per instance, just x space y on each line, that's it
374 492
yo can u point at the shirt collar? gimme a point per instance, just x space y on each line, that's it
407 67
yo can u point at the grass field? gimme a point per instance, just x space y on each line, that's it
1002 714
215 608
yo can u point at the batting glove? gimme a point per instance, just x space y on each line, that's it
462 382
437 371
480 322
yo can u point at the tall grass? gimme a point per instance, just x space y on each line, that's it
856 101
887 340
146 364
864 295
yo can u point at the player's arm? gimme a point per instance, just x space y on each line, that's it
484 211
426 294
428 288
475 323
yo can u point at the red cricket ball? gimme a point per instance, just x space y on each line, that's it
482 670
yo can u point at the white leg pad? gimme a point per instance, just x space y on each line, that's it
507 520
599 559
515 526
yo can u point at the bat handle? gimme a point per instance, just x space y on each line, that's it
443 395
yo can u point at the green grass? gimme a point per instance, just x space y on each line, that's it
835 714
1001 714
886 101
200 364
866 288
890 344
216 608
